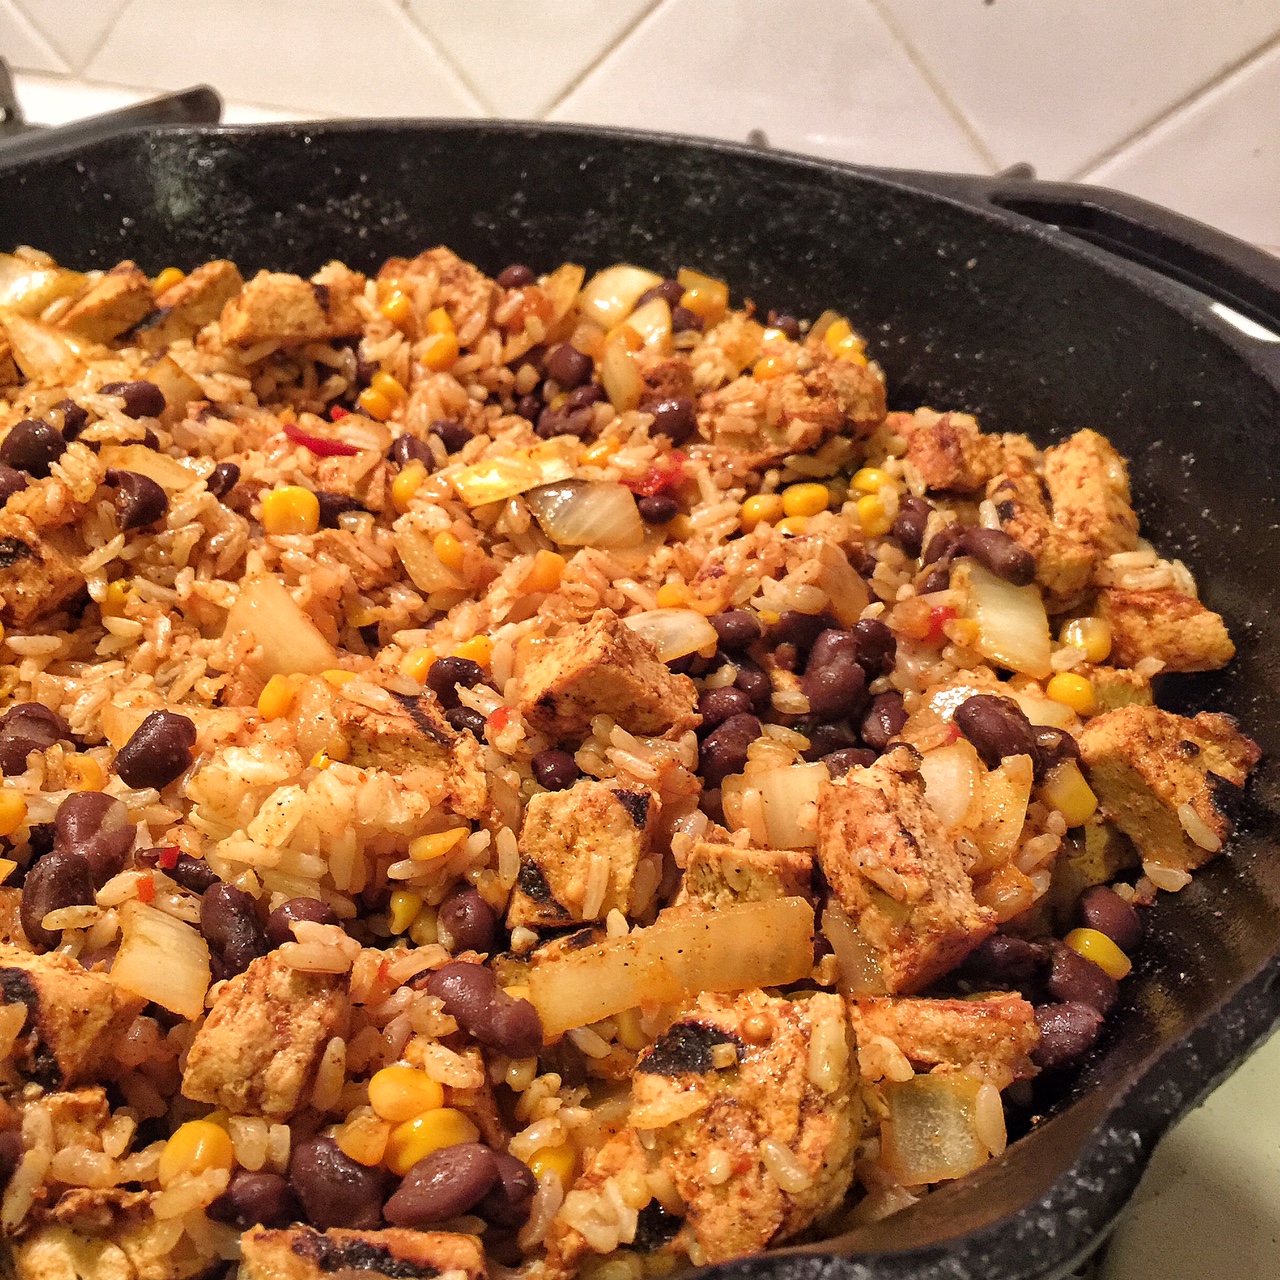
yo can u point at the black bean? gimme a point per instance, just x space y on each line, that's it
529 406
11 481
692 664
715 706
139 500
826 738
674 418
509 1202
96 827
1006 963
935 580
255 1198
801 630
443 1185
944 545
193 873
657 508
333 505
997 727
158 752
840 762
737 629
996 550
555 769
466 720
568 366
58 880
469 919
141 399
33 447
74 419
516 276
1067 1031
836 690
725 751
27 727
682 320
225 477
406 449
445 674
787 323
1102 908
230 924
1052 747
884 719
335 1190
755 683
472 996
558 422
908 528
831 644
11 1151
293 911
585 396
1073 978
877 647
453 435
670 291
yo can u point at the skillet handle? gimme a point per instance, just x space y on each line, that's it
1227 270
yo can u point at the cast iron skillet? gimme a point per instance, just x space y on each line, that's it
970 301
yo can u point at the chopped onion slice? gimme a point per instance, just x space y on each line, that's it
620 376
161 959
859 970
952 783
610 294
289 639
785 792
653 323
931 1132
29 289
581 513
673 632
1013 629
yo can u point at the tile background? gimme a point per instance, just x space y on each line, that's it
1175 100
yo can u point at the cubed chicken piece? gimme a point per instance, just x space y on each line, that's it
723 875
276 307
994 1035
36 578
301 1253
750 1108
949 450
1164 624
463 290
1089 488
76 1116
185 308
108 307
664 378
897 874
1116 686
584 852
74 1016
136 1247
418 746
1064 564
602 667
1168 782
259 1048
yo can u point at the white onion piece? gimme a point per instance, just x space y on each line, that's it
578 513
785 792
931 1132
29 289
161 959
674 633
1013 629
289 639
609 295
40 349
859 971
620 376
951 783
653 323
170 474
1005 794
1041 710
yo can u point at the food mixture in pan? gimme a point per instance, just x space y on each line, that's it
543 772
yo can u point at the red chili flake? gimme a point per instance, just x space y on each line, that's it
939 616
337 412
500 719
168 858
953 734
384 972
146 889
318 445
662 475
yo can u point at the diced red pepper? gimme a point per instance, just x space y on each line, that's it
939 616
318 445
337 412
662 475
147 889
953 734
168 858
500 718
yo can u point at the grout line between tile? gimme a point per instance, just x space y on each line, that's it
643 16
473 89
918 61
1240 66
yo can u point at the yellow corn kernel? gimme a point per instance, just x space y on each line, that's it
7 868
449 550
843 343
397 308
436 845
1093 635
630 1033
338 748
672 595
872 516
290 509
406 484
404 907
794 526
773 366
196 1147
558 1160
678 528
383 383
417 662
117 597
433 1130
423 930
277 697
321 760
439 321
364 616
1094 945
479 649
705 296
518 990
13 810
600 452
399 1093
167 279
83 773
548 566
870 480
439 351
373 404
764 508
1065 789
364 1139
1072 691
337 677
805 499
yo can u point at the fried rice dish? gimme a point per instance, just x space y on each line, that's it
545 774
